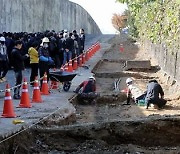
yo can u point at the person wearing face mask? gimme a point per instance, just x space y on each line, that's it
44 59
3 59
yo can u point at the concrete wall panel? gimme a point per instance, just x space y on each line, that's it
167 60
41 15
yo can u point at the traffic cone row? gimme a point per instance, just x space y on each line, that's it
81 59
8 109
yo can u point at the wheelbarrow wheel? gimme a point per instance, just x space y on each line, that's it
66 86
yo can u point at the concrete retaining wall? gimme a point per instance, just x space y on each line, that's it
168 60
41 15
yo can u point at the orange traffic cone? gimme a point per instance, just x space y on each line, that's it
86 56
66 67
93 49
99 46
90 52
36 92
62 68
80 60
83 58
96 46
75 64
8 110
70 68
54 84
25 100
44 88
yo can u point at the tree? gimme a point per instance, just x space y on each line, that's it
119 21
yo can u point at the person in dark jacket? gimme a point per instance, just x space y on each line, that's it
53 51
10 44
154 89
77 43
87 91
68 47
18 64
82 40
60 48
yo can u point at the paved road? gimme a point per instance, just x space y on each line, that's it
55 101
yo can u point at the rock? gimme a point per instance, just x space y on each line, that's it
138 64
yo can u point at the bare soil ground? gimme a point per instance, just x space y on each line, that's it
109 126
113 63
110 105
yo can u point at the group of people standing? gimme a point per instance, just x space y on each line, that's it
40 51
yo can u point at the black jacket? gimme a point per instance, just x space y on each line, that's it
153 91
69 44
18 59
82 41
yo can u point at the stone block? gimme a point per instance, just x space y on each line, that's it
137 64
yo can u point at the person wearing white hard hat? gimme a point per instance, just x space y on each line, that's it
3 59
129 81
133 91
87 91
44 58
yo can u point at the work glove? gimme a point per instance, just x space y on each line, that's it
51 62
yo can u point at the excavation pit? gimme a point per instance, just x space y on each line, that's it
108 126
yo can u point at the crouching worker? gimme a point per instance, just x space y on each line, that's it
154 89
87 91
133 92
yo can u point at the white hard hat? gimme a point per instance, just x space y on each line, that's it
45 40
2 39
128 80
92 78
65 35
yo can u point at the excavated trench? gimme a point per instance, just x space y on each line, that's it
109 126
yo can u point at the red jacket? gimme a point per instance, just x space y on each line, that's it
87 86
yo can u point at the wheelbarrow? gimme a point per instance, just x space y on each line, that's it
62 77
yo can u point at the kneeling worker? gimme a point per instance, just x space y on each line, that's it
87 91
154 89
133 92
